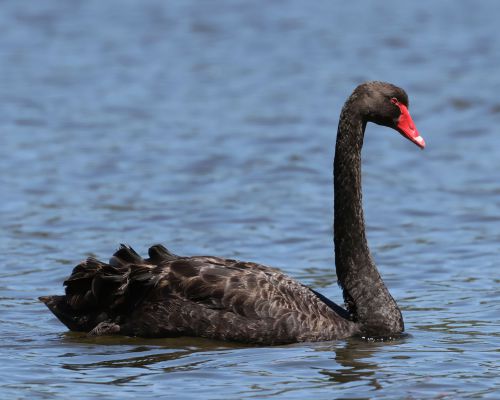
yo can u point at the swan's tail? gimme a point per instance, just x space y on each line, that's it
98 293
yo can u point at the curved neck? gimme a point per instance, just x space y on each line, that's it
365 294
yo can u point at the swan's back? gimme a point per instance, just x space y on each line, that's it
167 295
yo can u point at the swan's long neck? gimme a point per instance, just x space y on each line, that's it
365 294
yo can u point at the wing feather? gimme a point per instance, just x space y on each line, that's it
204 296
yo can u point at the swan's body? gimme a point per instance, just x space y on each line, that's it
167 295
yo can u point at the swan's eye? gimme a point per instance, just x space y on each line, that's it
394 101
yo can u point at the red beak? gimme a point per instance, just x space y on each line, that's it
407 128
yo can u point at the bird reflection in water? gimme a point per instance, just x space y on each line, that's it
355 358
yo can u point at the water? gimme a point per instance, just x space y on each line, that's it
209 127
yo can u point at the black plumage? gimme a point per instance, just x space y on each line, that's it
167 295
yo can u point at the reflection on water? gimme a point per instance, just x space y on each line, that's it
209 127
356 364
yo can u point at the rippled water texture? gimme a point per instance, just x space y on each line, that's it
209 126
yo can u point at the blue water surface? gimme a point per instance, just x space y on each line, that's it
209 126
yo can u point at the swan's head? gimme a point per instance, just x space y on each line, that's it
386 104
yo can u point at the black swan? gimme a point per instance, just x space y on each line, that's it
167 295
